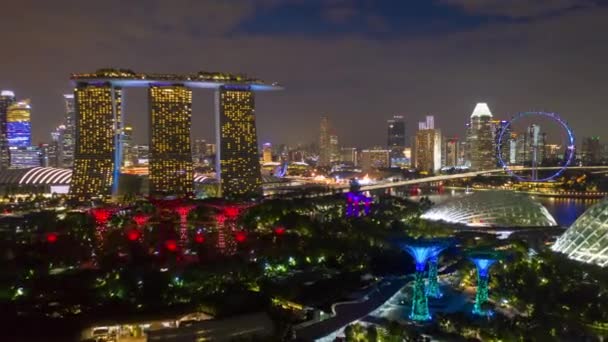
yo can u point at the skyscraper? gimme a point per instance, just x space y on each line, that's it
126 144
428 150
591 151
324 143
375 158
67 139
503 147
239 168
171 171
481 139
451 152
396 139
99 118
7 98
267 153
334 150
18 125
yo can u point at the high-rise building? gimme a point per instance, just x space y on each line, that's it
199 151
481 139
451 152
267 153
18 125
25 157
396 140
239 168
7 98
348 155
591 151
334 148
428 150
142 155
99 120
430 122
503 147
375 158
67 139
324 143
171 170
127 146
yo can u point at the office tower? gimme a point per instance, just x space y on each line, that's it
267 153
126 143
98 123
421 125
199 151
348 155
211 149
7 98
451 152
171 171
428 150
591 151
334 148
239 168
376 158
481 139
503 147
67 140
324 143
407 155
25 157
18 125
142 155
430 122
396 139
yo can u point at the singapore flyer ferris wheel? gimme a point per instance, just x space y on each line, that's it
534 148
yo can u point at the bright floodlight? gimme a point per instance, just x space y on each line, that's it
492 209
481 109
587 239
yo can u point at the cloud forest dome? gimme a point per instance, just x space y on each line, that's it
587 239
492 209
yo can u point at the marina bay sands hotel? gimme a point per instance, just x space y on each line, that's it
99 124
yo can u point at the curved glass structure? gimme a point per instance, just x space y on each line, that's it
492 209
587 239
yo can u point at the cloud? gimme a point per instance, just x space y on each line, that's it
518 8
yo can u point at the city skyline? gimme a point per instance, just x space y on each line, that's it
535 73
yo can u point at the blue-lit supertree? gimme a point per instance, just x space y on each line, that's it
483 262
432 287
421 251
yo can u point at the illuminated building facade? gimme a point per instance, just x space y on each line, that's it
396 141
324 143
481 139
7 98
170 149
99 132
428 150
239 169
374 159
450 152
267 153
98 122
18 124
68 135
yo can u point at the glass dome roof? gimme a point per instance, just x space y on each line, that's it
492 209
587 239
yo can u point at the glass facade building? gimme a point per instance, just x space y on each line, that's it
7 98
239 167
170 164
18 124
481 139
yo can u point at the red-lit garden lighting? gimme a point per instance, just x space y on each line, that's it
231 212
101 215
133 234
141 219
240 236
51 237
279 230
183 211
199 237
171 245
220 219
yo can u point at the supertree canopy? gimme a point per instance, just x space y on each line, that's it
432 288
357 202
483 261
421 251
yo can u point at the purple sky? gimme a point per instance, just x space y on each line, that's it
359 62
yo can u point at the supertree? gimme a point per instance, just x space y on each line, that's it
183 210
101 216
483 261
432 287
421 251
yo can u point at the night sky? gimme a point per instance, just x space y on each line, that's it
359 62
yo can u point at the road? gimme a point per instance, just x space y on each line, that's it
349 312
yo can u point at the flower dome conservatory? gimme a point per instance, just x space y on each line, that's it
492 209
587 239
